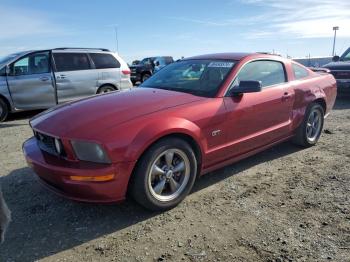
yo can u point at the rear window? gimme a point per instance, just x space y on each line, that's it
71 61
104 61
299 72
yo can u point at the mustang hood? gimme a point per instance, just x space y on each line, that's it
101 112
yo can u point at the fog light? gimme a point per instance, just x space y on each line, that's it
92 178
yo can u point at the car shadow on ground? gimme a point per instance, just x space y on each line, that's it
45 224
12 118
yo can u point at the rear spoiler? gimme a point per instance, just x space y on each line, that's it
320 70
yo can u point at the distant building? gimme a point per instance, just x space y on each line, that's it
314 61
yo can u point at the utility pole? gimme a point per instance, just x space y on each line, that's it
116 38
335 28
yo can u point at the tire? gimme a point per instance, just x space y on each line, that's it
145 77
4 110
310 130
156 190
105 89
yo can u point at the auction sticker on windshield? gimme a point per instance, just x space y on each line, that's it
220 64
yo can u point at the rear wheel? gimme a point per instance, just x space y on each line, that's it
4 110
310 129
164 175
105 89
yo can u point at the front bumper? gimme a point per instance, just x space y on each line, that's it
54 173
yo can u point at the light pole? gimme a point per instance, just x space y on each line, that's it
116 38
335 28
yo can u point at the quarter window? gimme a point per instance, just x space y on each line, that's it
71 61
299 72
37 63
104 61
268 72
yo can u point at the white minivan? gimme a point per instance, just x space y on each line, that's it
42 79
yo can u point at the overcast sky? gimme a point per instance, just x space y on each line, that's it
177 27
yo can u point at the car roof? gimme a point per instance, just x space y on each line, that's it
229 56
233 56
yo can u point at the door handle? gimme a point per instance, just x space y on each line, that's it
44 78
62 77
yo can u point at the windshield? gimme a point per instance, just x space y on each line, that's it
346 55
8 58
197 77
146 61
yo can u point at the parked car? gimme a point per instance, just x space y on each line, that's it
340 69
192 117
41 79
148 66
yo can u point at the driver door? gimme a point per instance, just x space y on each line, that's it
30 82
257 119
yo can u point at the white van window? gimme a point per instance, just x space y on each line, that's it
37 63
104 61
71 61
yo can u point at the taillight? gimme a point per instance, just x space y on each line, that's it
126 72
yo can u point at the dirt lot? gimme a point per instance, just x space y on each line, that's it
285 204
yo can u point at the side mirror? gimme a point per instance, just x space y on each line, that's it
335 58
247 87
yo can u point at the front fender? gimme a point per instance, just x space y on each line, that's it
154 131
127 142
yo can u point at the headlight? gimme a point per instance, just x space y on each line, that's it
88 151
59 146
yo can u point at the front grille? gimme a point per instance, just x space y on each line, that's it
46 143
341 74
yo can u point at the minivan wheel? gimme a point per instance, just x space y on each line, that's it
4 111
105 89
145 77
164 175
310 129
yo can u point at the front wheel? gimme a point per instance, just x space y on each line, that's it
310 129
164 175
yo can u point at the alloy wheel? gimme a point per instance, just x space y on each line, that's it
314 125
169 175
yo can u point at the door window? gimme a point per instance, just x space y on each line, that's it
104 61
37 63
268 72
299 72
71 61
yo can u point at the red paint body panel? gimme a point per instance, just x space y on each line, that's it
54 173
127 123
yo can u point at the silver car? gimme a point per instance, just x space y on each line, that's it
42 79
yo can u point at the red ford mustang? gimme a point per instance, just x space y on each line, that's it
192 117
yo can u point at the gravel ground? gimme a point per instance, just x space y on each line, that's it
284 204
